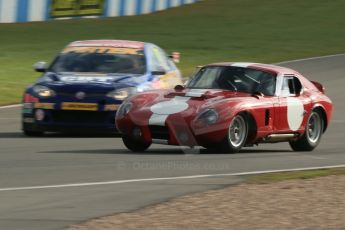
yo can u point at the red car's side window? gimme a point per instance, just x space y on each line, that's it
291 86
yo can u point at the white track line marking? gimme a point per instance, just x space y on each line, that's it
311 58
338 121
163 178
316 157
10 106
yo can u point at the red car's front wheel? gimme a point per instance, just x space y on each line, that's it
135 144
235 138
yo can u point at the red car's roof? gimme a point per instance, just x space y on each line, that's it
109 43
259 66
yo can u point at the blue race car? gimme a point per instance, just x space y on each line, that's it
86 83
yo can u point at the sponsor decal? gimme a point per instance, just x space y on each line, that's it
109 43
40 105
111 107
79 106
66 8
103 50
100 79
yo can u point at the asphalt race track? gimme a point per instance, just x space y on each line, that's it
65 160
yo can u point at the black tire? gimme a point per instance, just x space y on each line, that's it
134 144
312 135
237 135
213 148
30 133
31 130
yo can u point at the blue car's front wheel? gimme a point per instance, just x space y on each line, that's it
27 131
33 133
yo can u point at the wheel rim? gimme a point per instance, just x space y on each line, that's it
314 127
237 131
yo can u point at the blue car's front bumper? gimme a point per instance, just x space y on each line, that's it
83 117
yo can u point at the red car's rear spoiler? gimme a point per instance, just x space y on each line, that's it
319 86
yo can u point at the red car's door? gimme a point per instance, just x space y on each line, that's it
293 105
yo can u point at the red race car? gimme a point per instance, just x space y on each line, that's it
226 106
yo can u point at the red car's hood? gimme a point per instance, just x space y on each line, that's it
206 93
182 107
188 101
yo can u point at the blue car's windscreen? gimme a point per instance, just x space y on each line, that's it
234 78
99 60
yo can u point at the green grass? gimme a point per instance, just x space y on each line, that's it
276 177
209 31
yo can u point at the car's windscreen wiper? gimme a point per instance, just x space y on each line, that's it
52 75
247 76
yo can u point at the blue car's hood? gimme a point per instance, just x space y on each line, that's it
90 81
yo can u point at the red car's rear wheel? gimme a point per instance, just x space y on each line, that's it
312 134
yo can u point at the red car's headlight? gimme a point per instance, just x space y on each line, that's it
209 116
124 109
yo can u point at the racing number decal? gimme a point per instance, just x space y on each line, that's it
295 113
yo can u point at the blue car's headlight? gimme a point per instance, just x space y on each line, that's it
121 94
124 109
209 116
43 91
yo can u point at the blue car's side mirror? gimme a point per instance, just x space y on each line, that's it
40 66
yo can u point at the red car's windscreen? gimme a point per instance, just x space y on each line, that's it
234 78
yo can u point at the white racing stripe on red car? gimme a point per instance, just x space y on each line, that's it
158 119
162 110
176 105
